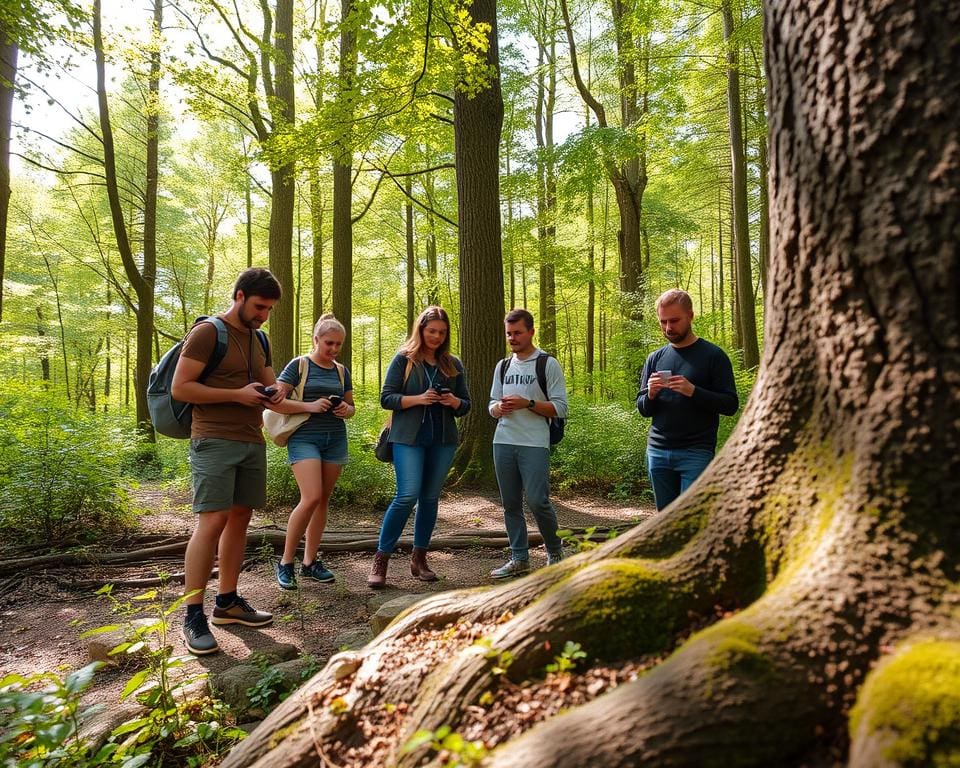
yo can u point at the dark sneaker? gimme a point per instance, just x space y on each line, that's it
317 571
196 634
241 612
285 577
510 569
554 557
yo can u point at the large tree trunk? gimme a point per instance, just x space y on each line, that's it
477 124
342 299
745 318
824 536
142 280
8 74
283 185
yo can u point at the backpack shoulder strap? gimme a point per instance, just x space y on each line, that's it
219 349
340 375
264 342
504 364
542 372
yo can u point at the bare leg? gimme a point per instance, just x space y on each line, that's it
309 475
330 474
233 544
198 559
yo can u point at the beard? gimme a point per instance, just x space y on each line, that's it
675 337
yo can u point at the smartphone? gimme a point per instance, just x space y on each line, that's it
335 400
441 390
266 391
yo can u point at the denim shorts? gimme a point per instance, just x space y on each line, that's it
227 473
324 446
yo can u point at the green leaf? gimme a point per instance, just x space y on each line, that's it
135 683
100 630
417 740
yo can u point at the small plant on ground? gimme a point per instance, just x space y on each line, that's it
448 745
272 687
583 541
178 727
568 658
41 715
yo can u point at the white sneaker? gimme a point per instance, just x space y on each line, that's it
510 569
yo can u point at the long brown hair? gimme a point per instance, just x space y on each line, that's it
413 346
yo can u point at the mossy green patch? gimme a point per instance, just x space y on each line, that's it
733 651
627 608
915 697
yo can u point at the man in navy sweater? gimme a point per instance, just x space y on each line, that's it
684 387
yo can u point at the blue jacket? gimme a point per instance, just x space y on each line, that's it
406 422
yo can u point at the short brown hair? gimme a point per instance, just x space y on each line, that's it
519 315
257 281
675 296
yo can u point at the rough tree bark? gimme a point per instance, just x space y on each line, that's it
477 123
827 526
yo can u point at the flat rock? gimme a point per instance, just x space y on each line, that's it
274 653
391 609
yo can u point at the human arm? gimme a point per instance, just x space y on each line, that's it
650 386
556 406
720 395
496 393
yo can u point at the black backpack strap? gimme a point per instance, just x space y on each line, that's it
542 372
265 343
504 364
219 349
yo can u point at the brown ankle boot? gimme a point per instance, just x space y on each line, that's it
378 576
418 565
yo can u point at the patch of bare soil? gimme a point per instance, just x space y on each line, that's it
41 618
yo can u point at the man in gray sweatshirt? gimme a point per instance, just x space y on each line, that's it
521 443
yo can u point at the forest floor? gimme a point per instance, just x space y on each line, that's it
42 615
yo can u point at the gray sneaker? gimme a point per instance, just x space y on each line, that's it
510 569
241 612
197 636
554 557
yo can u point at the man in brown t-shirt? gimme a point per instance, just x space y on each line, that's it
227 453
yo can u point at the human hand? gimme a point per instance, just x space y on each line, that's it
427 398
320 405
344 410
250 395
450 400
512 403
655 382
681 384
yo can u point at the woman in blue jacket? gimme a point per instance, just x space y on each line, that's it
425 387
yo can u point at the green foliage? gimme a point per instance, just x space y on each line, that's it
41 715
177 728
583 541
568 658
272 687
60 470
604 449
444 740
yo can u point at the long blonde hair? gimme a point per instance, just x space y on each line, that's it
412 348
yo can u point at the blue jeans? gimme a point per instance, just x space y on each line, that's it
523 469
673 470
421 471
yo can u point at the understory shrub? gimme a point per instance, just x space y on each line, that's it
604 449
61 470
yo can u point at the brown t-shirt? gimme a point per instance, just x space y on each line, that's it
244 362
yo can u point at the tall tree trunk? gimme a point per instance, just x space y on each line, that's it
9 51
316 232
546 177
820 537
411 253
629 179
283 185
477 125
143 281
746 304
342 183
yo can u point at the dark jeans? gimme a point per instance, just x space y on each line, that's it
673 470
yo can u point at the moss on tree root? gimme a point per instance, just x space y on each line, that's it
908 710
